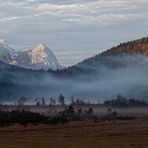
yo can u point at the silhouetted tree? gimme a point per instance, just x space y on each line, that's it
72 100
52 102
80 102
61 99
90 110
21 100
43 101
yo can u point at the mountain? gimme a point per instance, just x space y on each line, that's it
17 81
139 46
125 54
7 54
41 57
120 70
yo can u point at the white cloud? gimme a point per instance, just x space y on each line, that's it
7 19
91 12
102 19
89 7
77 11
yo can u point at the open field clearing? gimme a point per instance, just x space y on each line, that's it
98 110
133 134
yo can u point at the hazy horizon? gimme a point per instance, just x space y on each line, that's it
75 29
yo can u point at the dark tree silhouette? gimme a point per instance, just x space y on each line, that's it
61 100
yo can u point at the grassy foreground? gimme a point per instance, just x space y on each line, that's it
77 135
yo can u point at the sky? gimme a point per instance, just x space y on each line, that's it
73 29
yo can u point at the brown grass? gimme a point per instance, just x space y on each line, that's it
77 135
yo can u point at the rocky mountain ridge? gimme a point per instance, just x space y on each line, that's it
40 57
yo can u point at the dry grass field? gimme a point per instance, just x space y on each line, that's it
133 134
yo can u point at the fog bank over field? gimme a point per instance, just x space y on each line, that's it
128 78
107 77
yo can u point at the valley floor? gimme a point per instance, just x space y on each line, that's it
99 110
127 134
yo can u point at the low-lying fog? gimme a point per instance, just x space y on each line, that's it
130 81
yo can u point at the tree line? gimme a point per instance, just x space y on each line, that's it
122 101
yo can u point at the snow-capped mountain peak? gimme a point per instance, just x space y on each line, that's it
7 54
3 42
40 57
41 46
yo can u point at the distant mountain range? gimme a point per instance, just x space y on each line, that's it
40 57
116 57
119 70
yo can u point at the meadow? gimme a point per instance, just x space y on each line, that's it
88 134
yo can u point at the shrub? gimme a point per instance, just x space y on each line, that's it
22 117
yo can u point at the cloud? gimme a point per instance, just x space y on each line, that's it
91 12
91 7
83 12
7 19
74 29
105 19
